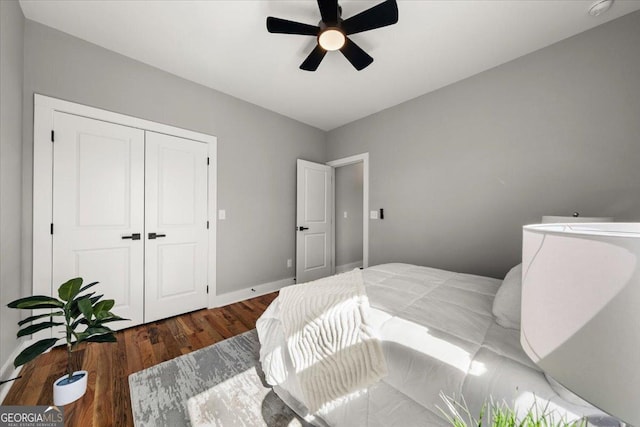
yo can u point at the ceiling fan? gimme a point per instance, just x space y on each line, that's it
332 31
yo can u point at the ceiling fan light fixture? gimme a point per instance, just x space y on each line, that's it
332 38
600 7
332 31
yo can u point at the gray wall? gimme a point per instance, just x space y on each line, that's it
11 72
460 170
257 149
348 184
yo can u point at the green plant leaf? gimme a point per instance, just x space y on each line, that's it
85 306
85 287
33 351
97 330
101 315
95 299
113 319
73 308
100 318
93 331
37 327
103 306
92 300
40 316
68 290
35 302
102 338
104 315
81 321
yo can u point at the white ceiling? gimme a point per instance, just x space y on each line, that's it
225 45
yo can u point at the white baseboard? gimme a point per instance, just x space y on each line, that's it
8 371
346 267
255 291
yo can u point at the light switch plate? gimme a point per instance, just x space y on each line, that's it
346 214
373 215
222 214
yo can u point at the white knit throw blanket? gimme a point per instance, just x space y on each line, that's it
333 349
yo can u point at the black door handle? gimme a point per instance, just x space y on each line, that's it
154 235
302 228
134 236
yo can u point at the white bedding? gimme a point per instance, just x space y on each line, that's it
332 347
439 335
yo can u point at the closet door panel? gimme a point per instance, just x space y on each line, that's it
175 215
98 198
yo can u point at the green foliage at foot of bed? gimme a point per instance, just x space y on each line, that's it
499 414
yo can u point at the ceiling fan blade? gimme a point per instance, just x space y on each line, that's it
329 11
283 26
381 15
313 60
354 54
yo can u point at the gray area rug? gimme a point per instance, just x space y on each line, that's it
220 385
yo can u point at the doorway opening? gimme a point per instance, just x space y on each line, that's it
351 219
317 219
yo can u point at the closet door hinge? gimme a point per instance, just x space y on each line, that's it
207 225
52 136
207 161
207 288
51 229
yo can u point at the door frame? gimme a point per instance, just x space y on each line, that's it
346 161
44 108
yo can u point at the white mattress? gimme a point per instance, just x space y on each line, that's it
439 335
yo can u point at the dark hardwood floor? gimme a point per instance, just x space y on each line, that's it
107 402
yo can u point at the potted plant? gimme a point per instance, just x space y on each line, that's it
83 319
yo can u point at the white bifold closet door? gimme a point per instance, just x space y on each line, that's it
130 211
98 205
176 226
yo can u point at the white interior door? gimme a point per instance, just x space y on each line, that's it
314 241
176 242
98 209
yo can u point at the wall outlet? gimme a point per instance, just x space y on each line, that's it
346 214
373 215
289 263
222 214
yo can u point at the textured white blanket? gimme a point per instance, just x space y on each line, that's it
333 349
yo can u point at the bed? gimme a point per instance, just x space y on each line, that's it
439 335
